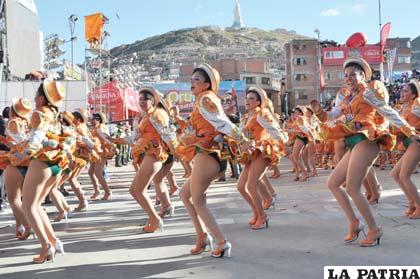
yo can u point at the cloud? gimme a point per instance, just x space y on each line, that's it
330 12
220 13
359 8
198 7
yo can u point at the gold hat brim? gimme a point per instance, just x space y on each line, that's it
362 63
25 111
156 94
261 92
213 75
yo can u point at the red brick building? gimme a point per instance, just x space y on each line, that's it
302 69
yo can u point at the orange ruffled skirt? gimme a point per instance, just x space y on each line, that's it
372 133
269 149
147 147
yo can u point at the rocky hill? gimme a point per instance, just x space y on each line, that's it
415 57
205 43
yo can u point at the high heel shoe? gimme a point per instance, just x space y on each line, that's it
372 239
355 229
59 247
61 215
305 177
275 175
415 214
151 229
167 211
19 230
203 241
26 234
267 204
410 210
253 220
379 189
46 257
261 223
221 249
107 196
95 196
82 207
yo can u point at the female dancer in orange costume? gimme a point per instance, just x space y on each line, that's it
178 121
302 135
48 158
86 151
68 135
407 164
204 144
17 133
134 137
261 127
100 132
359 101
310 151
154 149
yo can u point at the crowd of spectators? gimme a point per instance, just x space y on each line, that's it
395 87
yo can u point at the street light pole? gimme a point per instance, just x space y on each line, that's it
318 65
381 65
72 21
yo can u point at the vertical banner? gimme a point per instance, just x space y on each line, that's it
384 36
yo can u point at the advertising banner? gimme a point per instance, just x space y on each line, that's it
337 55
232 94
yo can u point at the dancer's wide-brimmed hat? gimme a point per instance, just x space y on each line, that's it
156 94
362 63
213 75
261 92
54 91
22 107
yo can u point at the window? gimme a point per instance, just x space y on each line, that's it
341 75
299 61
338 54
299 46
300 95
250 80
404 59
265 80
404 44
328 75
301 77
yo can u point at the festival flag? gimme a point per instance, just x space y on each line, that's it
94 27
233 89
384 36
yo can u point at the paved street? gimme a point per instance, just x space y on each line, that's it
305 234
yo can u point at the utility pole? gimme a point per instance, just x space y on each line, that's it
381 65
318 66
72 21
